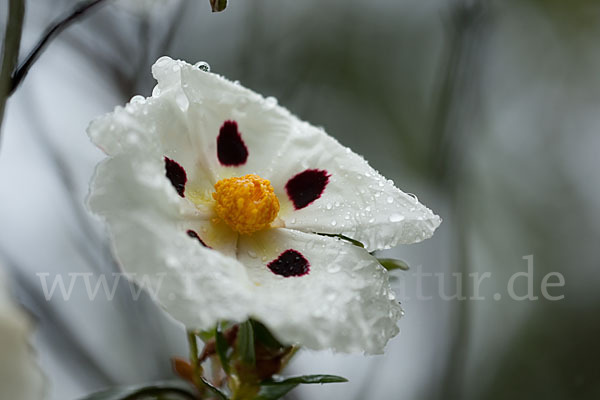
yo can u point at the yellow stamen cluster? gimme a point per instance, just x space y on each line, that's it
247 204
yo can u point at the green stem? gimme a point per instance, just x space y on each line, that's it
10 52
196 367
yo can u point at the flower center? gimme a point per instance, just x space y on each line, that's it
247 204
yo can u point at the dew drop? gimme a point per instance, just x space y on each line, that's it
251 254
182 101
270 102
333 223
414 198
396 218
329 206
333 268
137 99
390 199
203 66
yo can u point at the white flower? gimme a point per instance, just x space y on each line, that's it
20 377
204 159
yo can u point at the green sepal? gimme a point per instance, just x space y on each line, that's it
168 390
264 335
245 343
392 264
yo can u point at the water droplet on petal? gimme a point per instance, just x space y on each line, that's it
203 66
182 101
270 102
333 268
396 218
414 197
390 199
251 254
137 99
333 223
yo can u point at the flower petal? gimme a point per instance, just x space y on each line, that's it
342 301
149 222
355 201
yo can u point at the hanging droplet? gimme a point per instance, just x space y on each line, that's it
203 66
137 99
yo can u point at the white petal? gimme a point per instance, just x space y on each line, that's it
20 377
158 128
344 302
148 222
357 202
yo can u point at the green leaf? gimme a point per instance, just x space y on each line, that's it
392 264
245 343
222 346
346 238
172 390
220 395
264 335
218 5
275 389
274 392
309 379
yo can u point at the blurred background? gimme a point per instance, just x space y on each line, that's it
489 111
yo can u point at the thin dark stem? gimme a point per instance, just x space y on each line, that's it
10 52
79 11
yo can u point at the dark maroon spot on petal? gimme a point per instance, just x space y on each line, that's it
176 175
306 187
194 235
231 149
290 263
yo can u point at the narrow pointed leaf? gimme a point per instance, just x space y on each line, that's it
275 389
172 390
346 238
222 346
308 379
245 343
220 395
274 392
392 264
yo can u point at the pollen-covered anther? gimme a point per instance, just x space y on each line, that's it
247 204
